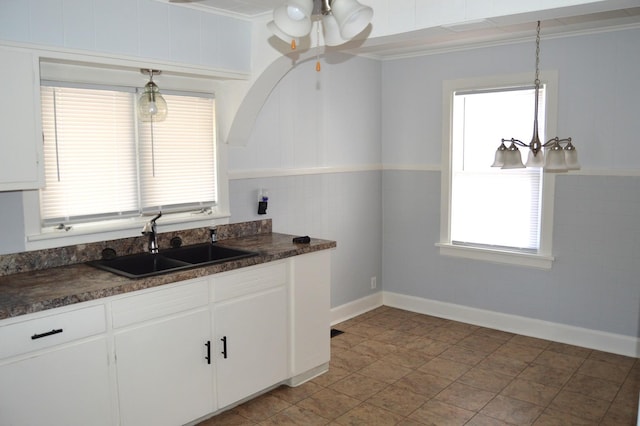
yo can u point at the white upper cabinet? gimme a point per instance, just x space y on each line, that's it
21 165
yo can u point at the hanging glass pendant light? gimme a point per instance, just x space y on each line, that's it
151 104
561 155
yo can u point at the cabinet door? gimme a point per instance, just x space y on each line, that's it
67 386
254 328
20 123
163 375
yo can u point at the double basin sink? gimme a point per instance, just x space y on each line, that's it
170 260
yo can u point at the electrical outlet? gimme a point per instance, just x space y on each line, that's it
374 283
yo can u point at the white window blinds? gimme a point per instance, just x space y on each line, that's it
101 163
489 206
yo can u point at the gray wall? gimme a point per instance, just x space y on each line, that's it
595 281
312 121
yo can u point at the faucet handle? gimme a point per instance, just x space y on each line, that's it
213 232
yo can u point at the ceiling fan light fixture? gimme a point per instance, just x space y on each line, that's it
293 18
352 16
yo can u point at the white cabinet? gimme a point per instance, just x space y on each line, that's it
57 372
21 144
250 320
310 315
163 360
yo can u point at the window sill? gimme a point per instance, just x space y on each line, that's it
538 261
125 228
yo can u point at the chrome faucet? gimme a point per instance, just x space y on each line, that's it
150 230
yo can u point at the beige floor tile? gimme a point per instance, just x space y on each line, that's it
427 346
593 387
481 343
333 375
520 352
397 400
352 361
551 417
620 415
620 360
604 370
530 341
423 384
503 336
465 396
370 415
328 404
347 340
295 416
546 375
374 348
385 371
559 360
536 393
463 355
445 368
512 410
563 348
482 420
447 335
438 413
358 386
503 365
408 358
261 408
364 330
580 405
482 378
295 394
228 418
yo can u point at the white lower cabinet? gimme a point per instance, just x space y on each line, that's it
56 370
251 334
168 355
164 372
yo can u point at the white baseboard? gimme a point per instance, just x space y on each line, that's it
355 308
563 333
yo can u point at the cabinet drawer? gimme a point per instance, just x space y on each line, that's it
159 303
247 281
44 332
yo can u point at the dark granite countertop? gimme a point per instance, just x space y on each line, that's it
33 291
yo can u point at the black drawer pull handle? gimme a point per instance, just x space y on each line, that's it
208 357
224 347
48 333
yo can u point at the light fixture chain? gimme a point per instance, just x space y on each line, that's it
537 81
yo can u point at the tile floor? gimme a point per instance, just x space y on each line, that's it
393 367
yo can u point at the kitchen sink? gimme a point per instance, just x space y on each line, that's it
171 260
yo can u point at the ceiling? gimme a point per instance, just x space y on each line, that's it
590 17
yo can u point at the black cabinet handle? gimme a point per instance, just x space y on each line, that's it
224 347
208 357
48 333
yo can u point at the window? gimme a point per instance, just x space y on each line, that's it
101 163
493 214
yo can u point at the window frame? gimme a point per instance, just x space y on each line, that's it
543 259
127 75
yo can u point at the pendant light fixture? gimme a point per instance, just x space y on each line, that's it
341 20
561 155
151 104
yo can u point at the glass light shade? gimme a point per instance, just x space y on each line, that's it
535 160
331 31
271 26
571 157
499 158
151 104
294 17
352 17
512 158
555 161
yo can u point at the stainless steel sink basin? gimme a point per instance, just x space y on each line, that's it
147 264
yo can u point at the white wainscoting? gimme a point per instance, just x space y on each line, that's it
593 339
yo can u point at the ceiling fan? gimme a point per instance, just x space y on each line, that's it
184 1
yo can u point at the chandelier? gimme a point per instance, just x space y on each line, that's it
342 20
561 155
